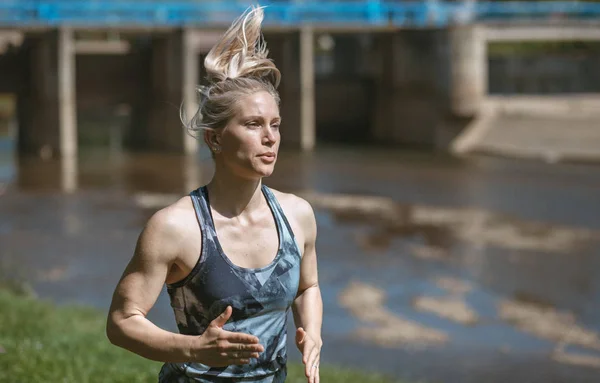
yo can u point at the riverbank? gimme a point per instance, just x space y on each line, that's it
557 128
41 342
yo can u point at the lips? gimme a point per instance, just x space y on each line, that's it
268 157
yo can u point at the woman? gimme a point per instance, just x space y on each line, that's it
235 255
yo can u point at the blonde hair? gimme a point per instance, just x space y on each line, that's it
237 65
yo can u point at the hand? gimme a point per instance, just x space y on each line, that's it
218 348
311 353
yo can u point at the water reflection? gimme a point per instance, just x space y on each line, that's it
69 173
422 257
439 227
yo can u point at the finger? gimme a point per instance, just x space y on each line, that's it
307 365
237 361
317 374
311 360
311 356
223 318
241 347
314 373
244 355
235 347
239 337
300 335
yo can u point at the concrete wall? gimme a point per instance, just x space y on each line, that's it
343 109
544 73
13 69
411 87
146 84
164 130
429 83
46 99
112 93
109 80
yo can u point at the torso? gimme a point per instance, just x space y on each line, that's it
252 244
257 274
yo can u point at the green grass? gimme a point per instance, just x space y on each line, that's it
44 343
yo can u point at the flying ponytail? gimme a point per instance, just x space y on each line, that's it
242 51
236 66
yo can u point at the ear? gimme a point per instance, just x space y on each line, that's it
212 139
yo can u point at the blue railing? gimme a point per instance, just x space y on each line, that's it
365 12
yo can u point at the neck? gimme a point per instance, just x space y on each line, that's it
232 195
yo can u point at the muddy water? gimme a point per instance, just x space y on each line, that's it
432 268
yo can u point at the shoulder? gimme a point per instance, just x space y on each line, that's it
299 209
168 229
172 219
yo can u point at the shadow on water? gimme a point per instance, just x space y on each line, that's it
431 267
383 231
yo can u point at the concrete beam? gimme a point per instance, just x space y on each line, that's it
202 40
332 28
573 106
521 33
90 47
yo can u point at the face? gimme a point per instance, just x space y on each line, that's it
250 141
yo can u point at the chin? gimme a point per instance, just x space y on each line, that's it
265 170
266 173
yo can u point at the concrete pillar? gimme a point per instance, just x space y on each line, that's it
468 69
47 109
307 89
191 80
173 75
293 55
69 173
66 93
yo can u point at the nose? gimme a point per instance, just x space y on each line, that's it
269 137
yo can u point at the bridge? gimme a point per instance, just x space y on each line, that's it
427 63
365 13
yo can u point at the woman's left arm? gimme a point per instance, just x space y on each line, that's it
308 305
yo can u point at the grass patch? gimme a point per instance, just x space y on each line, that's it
40 342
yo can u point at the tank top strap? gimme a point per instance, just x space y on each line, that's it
278 211
200 202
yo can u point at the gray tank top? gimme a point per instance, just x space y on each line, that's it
260 298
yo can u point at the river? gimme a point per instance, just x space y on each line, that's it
432 268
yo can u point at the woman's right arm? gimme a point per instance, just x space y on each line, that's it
156 252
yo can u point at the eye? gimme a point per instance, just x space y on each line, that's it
275 125
252 124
